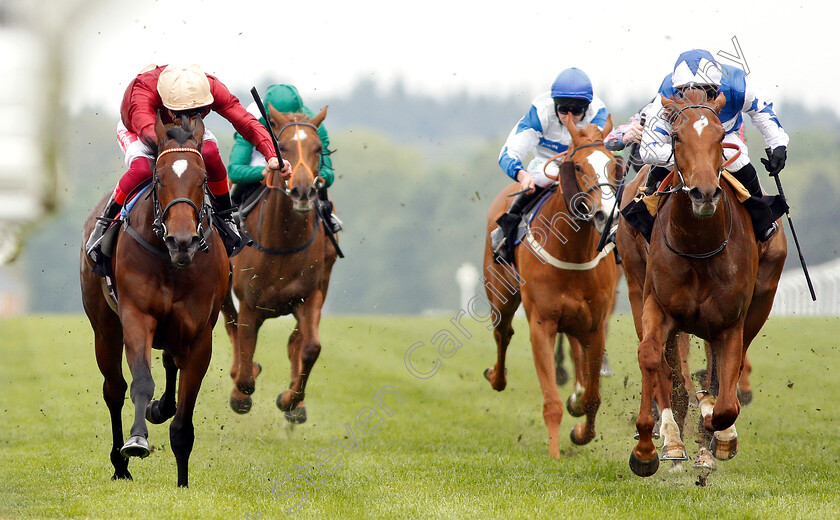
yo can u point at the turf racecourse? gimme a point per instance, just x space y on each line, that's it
454 449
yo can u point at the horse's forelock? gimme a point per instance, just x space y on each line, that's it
180 134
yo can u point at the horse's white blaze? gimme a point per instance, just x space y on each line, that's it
700 124
600 161
300 135
179 167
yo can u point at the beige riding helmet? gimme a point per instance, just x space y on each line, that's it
184 87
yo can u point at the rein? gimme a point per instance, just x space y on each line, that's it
278 252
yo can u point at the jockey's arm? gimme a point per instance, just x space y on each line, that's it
520 142
760 109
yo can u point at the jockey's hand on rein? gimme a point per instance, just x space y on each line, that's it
775 160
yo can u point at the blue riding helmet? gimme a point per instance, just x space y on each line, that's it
572 83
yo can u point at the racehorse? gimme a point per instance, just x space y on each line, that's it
703 274
169 296
563 282
286 271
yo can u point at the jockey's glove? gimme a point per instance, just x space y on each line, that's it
775 160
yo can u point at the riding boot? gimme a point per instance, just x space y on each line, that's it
655 176
325 208
760 208
93 247
509 223
226 224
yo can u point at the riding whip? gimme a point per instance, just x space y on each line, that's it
795 239
267 123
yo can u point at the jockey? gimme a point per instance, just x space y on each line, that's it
177 91
697 69
542 131
247 164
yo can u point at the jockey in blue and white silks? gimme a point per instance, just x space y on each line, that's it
542 132
697 69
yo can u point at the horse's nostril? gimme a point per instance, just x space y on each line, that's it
717 194
310 194
695 194
295 193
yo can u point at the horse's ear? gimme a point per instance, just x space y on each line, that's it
320 116
160 128
198 131
717 104
607 126
573 130
276 117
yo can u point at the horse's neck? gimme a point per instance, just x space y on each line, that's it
690 234
280 226
576 239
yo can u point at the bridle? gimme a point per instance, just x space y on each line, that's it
683 187
268 181
158 225
567 157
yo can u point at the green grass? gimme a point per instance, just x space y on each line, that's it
455 449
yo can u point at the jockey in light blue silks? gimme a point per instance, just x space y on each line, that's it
697 69
543 133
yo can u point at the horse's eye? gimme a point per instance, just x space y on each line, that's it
273 124
281 147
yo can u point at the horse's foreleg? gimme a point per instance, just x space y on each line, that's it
139 330
181 430
721 420
573 402
160 410
502 334
673 418
588 359
656 329
246 370
307 352
543 334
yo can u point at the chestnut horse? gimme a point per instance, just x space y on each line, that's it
563 282
286 271
703 274
169 299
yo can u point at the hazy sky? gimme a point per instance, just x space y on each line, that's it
445 47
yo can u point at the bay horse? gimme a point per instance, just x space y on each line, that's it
169 297
286 271
703 274
563 282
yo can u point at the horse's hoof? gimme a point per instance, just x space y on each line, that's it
674 452
296 416
723 449
137 446
155 413
575 440
745 397
487 377
241 406
705 460
279 403
643 468
122 475
573 406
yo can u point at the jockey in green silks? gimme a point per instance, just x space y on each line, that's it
247 164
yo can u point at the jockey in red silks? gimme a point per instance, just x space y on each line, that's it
177 91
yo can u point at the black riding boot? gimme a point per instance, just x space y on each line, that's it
226 225
509 222
325 206
655 176
93 247
763 209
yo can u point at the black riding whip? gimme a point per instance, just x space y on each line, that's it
267 123
795 238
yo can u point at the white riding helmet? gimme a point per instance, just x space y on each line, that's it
184 87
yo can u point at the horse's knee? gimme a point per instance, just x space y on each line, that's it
552 412
650 355
310 353
181 436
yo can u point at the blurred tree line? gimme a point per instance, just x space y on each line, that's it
415 176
